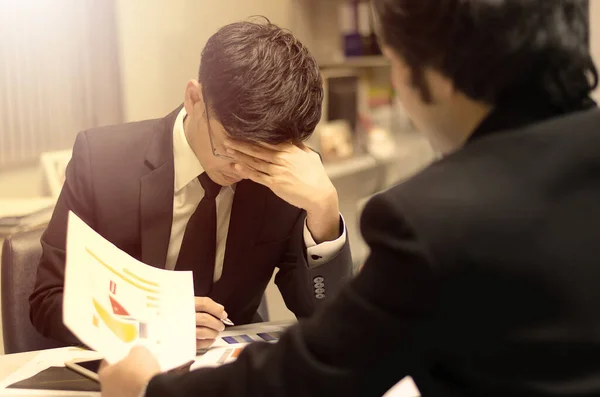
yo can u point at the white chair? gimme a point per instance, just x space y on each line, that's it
53 166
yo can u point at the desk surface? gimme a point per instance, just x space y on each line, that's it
12 362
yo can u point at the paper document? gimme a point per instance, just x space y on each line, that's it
250 333
113 302
217 356
231 342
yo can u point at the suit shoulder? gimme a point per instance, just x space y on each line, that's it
460 190
121 140
498 182
121 132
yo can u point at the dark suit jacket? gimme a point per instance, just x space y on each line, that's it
120 182
483 280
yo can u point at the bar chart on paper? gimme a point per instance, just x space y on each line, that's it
113 301
230 343
272 336
229 355
250 333
124 303
216 356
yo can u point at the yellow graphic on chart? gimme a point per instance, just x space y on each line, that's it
123 330
131 302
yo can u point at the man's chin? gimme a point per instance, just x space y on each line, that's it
229 180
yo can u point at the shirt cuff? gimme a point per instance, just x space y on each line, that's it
144 390
317 254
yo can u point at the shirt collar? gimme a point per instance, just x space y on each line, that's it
187 165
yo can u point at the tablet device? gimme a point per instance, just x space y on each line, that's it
85 367
90 367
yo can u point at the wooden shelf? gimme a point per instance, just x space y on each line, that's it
348 166
354 164
358 62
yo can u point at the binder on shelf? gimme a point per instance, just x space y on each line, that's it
348 19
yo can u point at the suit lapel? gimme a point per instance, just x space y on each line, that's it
156 199
247 214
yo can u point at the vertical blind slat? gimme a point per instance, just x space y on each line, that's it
47 84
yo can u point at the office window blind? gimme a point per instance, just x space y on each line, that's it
59 74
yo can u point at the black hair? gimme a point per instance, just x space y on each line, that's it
261 83
494 50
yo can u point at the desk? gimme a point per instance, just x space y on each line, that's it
13 362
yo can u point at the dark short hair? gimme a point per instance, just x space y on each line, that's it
494 50
261 83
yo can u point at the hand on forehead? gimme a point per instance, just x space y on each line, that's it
261 150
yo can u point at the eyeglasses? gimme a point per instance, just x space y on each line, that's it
210 137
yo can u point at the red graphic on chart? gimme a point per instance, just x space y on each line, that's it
131 323
117 308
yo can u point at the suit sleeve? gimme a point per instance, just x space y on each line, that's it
359 344
304 287
46 300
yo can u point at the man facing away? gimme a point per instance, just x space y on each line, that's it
223 186
482 278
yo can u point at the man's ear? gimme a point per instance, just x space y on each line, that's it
442 88
401 72
193 100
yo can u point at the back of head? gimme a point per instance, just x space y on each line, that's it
495 50
261 83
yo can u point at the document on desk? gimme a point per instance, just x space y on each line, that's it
230 343
113 302
250 333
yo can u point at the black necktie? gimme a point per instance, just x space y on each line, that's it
199 245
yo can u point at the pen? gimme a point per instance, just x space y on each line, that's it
227 321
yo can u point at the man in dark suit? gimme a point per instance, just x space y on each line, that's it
483 274
167 192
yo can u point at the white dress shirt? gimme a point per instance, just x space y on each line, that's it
188 192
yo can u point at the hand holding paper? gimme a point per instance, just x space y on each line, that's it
128 377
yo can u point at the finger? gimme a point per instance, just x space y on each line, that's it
253 149
209 321
279 147
103 367
139 352
206 333
252 162
207 305
249 173
204 343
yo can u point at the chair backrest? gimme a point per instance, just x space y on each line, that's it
20 255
